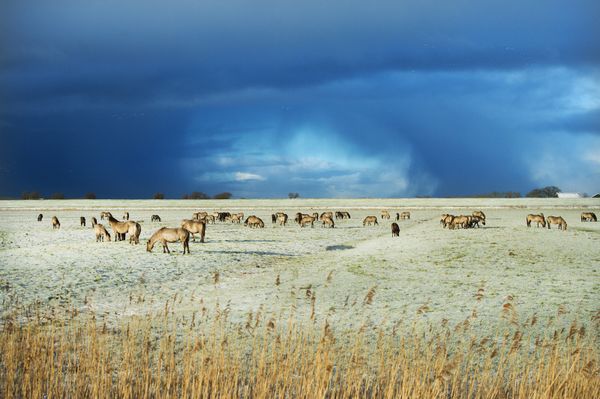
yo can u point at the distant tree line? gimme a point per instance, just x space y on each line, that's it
499 194
546 192
35 195
198 195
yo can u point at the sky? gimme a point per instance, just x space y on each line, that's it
327 99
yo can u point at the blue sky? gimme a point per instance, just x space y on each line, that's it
261 98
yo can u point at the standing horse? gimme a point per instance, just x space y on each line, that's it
194 226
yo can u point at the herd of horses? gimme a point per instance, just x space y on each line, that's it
197 225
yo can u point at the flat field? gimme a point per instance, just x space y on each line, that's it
428 272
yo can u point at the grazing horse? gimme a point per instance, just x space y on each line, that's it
370 221
405 215
101 233
119 228
82 221
236 218
306 220
558 220
194 226
385 215
254 222
327 221
395 230
94 221
539 219
585 217
480 215
155 218
342 215
40 217
222 216
55 223
475 220
165 235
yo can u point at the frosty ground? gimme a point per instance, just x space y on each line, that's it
428 272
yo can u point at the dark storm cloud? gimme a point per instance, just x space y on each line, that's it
214 95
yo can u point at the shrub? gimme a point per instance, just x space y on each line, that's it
224 195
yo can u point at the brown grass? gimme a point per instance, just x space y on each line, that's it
206 355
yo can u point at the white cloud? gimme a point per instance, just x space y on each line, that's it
572 167
243 176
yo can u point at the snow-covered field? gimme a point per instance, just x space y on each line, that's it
427 272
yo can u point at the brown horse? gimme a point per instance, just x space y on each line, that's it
385 215
82 221
254 222
395 230
120 229
105 215
194 226
165 235
459 221
446 219
306 220
558 220
94 221
480 215
101 233
40 217
342 215
282 218
200 215
126 216
585 217
326 214
135 229
236 218
299 217
405 215
539 219
370 221
55 223
475 220
327 221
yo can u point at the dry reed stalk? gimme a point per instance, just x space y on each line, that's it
166 356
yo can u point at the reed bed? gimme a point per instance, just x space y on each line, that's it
205 355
